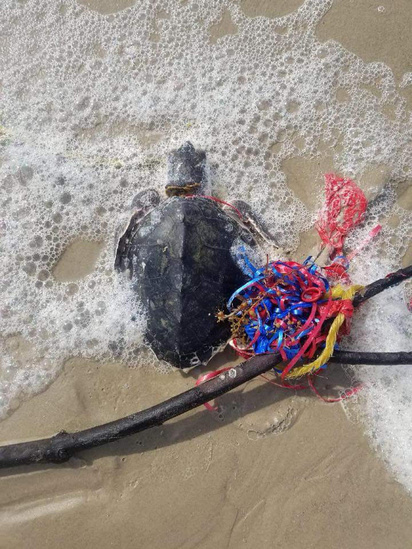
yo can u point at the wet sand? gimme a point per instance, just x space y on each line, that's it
278 470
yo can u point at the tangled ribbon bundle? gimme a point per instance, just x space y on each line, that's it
284 308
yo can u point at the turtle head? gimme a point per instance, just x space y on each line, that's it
186 171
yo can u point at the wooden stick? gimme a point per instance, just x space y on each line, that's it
376 359
62 446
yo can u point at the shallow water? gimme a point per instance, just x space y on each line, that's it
92 102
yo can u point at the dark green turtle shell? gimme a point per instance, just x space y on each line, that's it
179 257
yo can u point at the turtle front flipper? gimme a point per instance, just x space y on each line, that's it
146 200
254 224
142 204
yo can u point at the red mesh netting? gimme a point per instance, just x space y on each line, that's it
344 208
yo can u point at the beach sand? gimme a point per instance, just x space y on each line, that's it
277 470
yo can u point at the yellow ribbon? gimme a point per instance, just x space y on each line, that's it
338 292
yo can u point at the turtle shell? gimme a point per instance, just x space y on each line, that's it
179 257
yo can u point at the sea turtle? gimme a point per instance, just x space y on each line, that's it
179 255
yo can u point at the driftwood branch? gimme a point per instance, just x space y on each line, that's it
376 359
382 284
62 446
